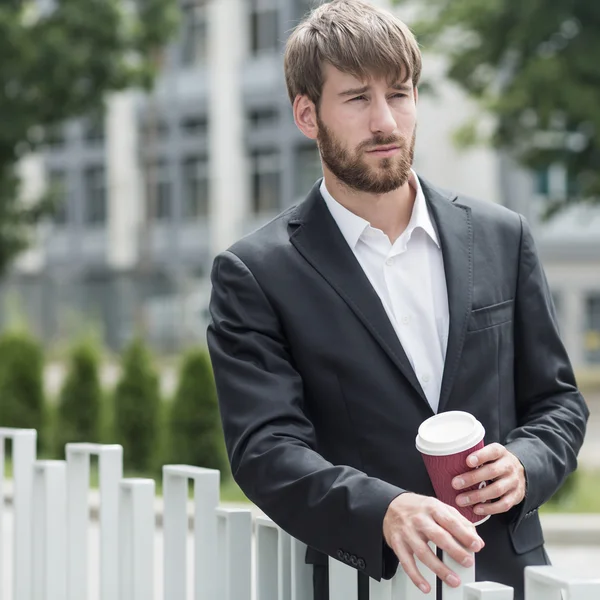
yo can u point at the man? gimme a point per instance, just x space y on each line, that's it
380 300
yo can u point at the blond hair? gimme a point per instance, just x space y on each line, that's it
355 37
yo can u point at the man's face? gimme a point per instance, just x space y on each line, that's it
356 120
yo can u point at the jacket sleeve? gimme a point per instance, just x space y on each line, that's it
271 441
552 414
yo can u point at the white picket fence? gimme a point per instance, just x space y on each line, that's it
50 545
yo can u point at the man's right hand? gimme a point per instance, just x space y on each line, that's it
412 521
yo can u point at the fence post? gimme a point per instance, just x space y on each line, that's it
110 466
235 553
273 561
301 576
486 590
49 521
23 456
343 581
136 534
548 583
404 589
465 574
175 530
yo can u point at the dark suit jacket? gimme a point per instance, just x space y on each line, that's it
319 403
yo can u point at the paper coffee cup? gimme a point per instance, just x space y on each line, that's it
445 441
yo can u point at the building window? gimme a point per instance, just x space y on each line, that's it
194 126
93 131
95 196
54 137
195 188
57 188
263 117
160 203
592 329
194 35
266 175
308 169
264 26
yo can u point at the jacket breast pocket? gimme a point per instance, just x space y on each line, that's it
490 316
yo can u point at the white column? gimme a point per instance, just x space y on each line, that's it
572 324
228 164
32 173
124 180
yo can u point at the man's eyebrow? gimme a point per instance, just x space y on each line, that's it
401 87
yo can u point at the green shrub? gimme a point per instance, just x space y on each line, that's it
80 400
22 402
196 436
565 494
136 408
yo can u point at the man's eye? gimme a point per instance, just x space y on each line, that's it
358 98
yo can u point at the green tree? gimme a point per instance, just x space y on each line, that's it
59 64
196 436
533 66
137 408
22 402
80 401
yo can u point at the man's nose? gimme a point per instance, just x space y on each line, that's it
382 118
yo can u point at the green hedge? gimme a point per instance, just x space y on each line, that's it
79 409
196 436
136 409
22 402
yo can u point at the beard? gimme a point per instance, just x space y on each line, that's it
390 173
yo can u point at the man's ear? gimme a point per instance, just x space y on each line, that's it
416 91
305 116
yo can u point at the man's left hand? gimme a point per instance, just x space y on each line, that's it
506 474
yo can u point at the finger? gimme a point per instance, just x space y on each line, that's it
489 472
444 540
423 552
409 566
486 454
493 491
459 527
502 505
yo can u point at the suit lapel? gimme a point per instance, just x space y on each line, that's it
319 240
453 224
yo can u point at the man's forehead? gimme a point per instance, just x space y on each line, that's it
339 81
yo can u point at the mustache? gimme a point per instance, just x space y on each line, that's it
382 141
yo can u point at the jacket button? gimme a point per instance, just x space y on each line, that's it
347 557
340 554
361 564
353 561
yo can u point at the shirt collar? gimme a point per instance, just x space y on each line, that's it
353 227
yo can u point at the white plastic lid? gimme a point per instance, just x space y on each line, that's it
448 433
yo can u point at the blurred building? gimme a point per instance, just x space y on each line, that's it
168 180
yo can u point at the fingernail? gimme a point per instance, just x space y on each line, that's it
468 562
478 511
453 580
463 501
423 587
459 483
476 546
473 460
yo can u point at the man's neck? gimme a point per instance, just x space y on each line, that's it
389 212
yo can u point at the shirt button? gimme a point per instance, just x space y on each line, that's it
406 319
426 378
389 262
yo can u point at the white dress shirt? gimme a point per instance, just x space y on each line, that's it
409 277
